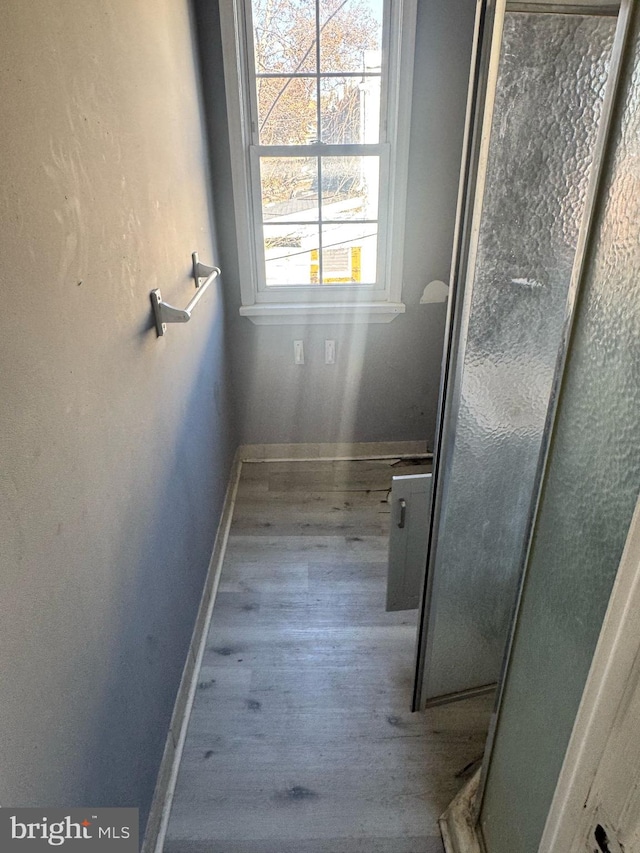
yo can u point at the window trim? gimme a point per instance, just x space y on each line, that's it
335 303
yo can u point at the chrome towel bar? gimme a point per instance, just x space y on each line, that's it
165 313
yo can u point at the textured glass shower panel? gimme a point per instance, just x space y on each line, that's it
589 496
552 77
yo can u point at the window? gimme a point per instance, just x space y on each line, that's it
318 96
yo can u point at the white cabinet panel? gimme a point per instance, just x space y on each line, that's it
408 540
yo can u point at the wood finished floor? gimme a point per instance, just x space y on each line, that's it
301 739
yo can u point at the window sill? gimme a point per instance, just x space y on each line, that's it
280 314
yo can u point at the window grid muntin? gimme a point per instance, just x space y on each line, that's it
258 127
375 291
253 74
320 221
336 12
380 290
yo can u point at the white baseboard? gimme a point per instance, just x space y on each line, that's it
458 825
167 775
332 451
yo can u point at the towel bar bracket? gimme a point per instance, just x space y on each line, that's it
165 313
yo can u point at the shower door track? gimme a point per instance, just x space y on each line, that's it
610 10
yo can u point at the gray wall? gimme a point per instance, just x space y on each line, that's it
588 499
384 385
115 445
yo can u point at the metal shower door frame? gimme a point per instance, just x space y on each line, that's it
486 52
480 104
594 200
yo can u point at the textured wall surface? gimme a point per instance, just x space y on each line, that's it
588 499
384 384
552 75
114 445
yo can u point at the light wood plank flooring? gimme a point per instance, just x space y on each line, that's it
301 739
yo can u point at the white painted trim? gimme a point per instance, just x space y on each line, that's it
613 662
168 773
458 825
237 60
284 313
239 122
333 452
402 52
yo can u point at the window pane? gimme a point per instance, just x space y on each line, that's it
289 188
287 112
350 110
291 254
351 35
350 187
284 34
349 253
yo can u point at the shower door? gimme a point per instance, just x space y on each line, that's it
535 103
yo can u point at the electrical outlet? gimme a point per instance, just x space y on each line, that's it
329 352
298 352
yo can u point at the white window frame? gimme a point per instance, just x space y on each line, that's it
321 303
